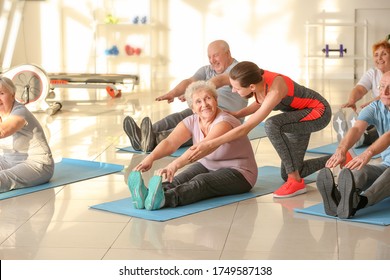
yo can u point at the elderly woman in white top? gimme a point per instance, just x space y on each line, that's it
231 169
371 79
25 158
368 82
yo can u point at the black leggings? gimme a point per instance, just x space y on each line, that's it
290 137
197 183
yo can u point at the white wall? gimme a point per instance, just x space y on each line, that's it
270 33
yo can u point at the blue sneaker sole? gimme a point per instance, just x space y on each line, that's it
156 194
135 183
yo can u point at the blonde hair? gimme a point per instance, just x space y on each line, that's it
8 85
197 87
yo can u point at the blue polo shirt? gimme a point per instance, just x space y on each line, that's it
379 115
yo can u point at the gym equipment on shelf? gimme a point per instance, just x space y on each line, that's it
112 51
340 50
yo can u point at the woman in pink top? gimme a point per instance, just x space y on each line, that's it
303 111
230 169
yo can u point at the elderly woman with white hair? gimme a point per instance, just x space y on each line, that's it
229 170
25 158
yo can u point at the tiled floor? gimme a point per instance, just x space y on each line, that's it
58 223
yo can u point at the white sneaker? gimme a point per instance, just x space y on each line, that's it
340 124
351 119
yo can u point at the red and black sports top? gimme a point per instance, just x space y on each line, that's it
298 97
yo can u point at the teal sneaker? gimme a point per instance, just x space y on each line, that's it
155 199
137 189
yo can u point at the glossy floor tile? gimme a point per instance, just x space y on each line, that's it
57 224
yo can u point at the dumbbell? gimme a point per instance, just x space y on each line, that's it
341 50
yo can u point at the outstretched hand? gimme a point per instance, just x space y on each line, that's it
182 98
336 159
365 104
200 150
168 172
166 97
349 105
359 161
144 165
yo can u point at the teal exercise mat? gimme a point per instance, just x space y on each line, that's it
330 149
257 133
177 153
69 171
268 181
378 214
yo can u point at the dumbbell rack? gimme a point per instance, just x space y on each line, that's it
315 28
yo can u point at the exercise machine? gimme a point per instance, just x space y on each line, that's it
34 85
112 83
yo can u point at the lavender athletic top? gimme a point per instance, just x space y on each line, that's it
237 154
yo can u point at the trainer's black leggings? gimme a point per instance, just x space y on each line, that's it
290 137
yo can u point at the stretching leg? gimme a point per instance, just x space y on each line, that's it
23 175
373 180
290 137
171 121
206 184
165 126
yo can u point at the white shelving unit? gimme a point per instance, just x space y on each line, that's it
314 28
149 38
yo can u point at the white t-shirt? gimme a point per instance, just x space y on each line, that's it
371 80
29 143
378 114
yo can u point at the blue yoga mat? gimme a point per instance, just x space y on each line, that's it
330 149
177 153
378 214
256 133
69 171
268 181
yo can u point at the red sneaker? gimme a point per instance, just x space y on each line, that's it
291 188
